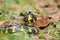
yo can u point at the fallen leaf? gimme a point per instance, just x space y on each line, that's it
42 21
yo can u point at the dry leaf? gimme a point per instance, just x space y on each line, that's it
42 21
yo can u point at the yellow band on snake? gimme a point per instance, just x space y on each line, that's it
13 30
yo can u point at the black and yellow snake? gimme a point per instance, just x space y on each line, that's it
28 19
14 29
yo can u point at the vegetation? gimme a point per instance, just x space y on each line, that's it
12 8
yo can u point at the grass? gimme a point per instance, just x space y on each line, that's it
9 11
16 36
41 35
6 14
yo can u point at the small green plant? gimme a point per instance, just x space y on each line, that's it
42 36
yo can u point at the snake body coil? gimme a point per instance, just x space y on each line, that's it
14 29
